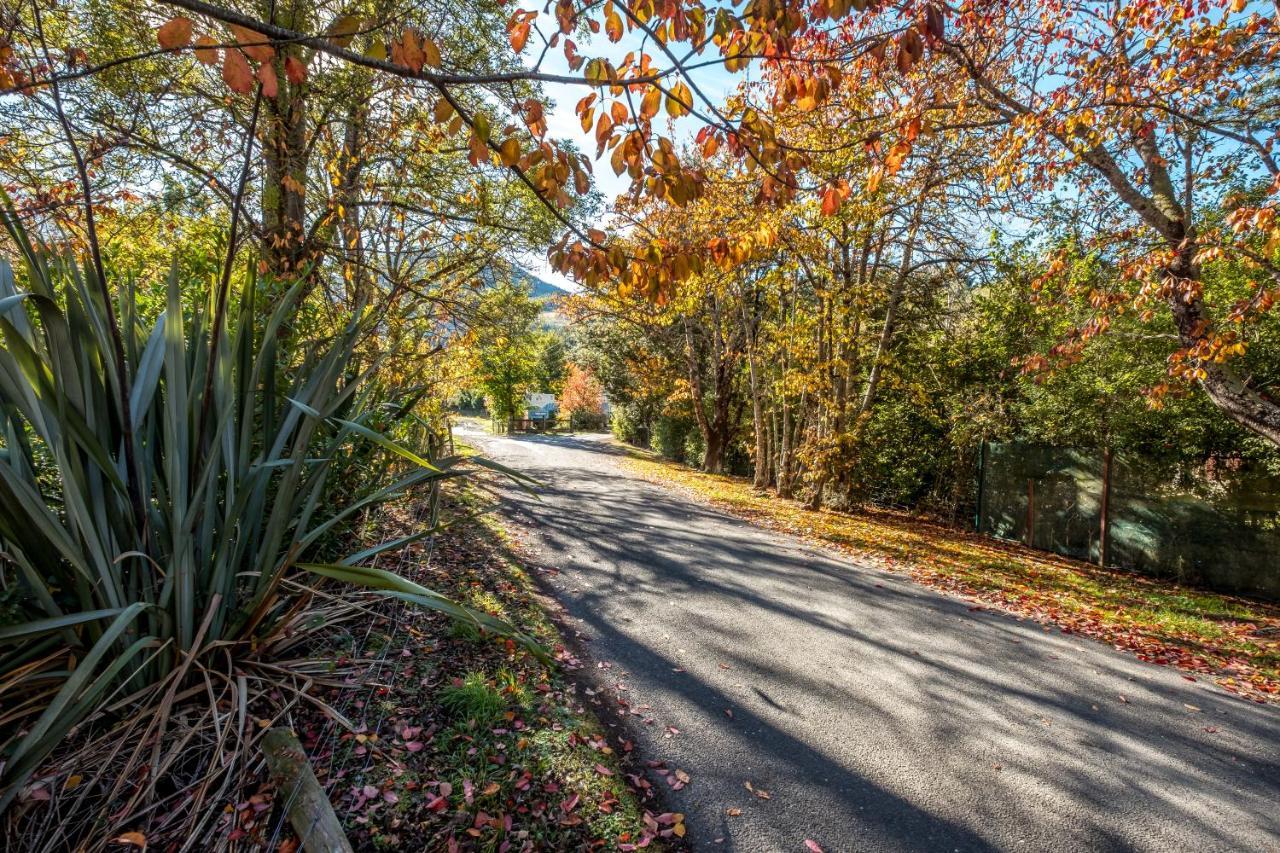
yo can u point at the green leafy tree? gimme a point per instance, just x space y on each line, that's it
505 344
552 368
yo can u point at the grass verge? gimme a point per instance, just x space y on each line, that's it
464 741
1232 640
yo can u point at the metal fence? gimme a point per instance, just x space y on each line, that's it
1216 525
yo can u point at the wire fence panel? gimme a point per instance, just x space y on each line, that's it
1216 525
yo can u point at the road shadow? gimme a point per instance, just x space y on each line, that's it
995 727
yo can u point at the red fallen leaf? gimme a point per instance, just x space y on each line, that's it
391 797
414 746
1211 729
570 804
603 771
438 804
370 792
813 845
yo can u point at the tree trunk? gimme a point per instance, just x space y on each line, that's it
1249 408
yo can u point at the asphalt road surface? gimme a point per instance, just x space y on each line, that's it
876 713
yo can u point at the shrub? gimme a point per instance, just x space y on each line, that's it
670 436
158 489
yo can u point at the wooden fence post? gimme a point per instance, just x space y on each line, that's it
1031 512
1106 507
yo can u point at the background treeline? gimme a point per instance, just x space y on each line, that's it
882 390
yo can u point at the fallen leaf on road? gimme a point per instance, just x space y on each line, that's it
733 812
1124 700
728 712
812 845
682 776
1192 708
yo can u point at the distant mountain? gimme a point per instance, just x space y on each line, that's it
538 288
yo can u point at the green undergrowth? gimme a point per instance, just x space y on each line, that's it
463 740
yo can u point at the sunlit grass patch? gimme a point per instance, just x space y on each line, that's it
1235 640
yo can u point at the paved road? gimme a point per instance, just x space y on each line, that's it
878 714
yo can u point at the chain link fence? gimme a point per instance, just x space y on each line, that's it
1215 525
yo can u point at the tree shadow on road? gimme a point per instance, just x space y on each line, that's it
987 727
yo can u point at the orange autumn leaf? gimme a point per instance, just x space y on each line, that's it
253 44
267 76
294 70
175 33
206 50
236 72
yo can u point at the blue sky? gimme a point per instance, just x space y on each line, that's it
562 123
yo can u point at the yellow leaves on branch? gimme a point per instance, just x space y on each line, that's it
679 101
509 151
650 102
612 22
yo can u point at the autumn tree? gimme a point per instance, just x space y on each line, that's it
1160 116
583 398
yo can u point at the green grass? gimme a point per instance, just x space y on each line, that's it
474 700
